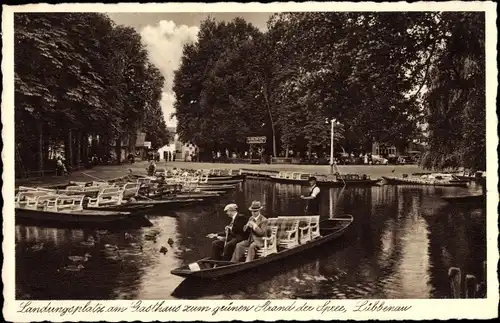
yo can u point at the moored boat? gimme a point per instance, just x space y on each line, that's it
287 239
324 180
59 208
429 179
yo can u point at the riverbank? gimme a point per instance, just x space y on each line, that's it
113 171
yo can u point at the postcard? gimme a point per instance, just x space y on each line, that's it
247 161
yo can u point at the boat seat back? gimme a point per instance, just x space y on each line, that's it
43 201
286 231
28 199
308 226
270 244
130 190
304 176
71 203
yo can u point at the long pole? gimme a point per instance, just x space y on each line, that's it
331 148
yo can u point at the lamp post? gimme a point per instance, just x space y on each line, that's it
332 159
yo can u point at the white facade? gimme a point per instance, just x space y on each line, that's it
181 150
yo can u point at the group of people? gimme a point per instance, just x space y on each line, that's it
243 232
248 232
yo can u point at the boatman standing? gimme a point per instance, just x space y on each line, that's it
313 199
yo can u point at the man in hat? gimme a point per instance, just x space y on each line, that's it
223 247
257 228
313 202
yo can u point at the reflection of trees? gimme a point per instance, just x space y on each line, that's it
456 238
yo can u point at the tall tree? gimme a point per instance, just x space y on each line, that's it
455 101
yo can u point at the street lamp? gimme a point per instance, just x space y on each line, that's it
333 122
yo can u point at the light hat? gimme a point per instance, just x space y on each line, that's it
231 207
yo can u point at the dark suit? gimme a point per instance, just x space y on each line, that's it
236 234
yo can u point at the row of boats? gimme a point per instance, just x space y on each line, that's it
125 199
337 180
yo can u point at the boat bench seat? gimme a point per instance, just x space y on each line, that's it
308 226
28 198
270 245
130 190
66 203
108 196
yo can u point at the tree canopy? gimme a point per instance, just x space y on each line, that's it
76 75
369 70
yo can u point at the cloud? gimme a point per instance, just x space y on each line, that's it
164 43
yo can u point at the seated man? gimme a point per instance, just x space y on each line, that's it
257 228
223 247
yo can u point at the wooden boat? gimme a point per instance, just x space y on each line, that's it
135 208
281 244
431 180
466 199
58 208
221 182
322 180
212 178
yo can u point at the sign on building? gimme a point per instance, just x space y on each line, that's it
256 140
147 144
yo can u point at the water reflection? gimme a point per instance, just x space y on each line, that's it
401 244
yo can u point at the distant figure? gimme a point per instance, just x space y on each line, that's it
313 199
366 159
257 229
152 168
223 248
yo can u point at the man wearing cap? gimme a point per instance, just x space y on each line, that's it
223 247
312 207
257 228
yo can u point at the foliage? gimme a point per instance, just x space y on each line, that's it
455 101
360 68
77 74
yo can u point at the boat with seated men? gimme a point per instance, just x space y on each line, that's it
289 235
325 180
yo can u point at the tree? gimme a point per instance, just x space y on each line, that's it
205 111
77 74
455 101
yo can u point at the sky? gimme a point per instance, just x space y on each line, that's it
165 34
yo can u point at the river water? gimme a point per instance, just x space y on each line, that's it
401 244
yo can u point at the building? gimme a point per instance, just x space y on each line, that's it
391 150
177 150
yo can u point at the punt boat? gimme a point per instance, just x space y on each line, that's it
281 244
322 180
41 206
428 179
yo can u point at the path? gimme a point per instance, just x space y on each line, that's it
109 172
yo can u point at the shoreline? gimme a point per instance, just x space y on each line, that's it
107 172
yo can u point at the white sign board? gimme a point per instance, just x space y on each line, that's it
147 144
256 140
